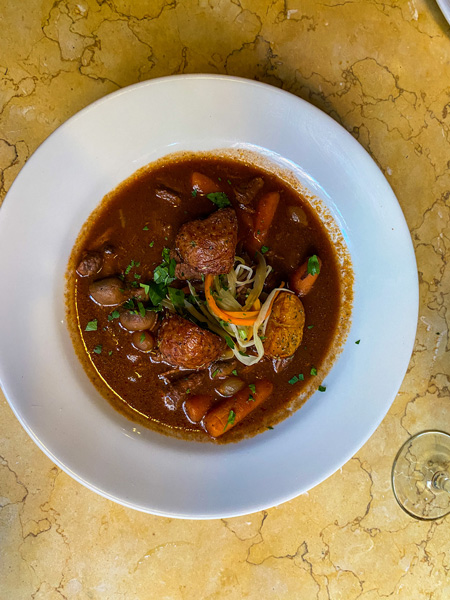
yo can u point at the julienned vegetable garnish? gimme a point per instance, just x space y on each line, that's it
210 330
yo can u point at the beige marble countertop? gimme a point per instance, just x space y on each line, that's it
382 70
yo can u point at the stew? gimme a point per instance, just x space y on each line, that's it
205 295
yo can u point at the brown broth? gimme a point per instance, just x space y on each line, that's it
127 378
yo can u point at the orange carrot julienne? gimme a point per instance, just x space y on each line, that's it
197 406
221 314
228 413
301 281
203 184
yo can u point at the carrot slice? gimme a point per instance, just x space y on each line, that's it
197 406
301 281
230 412
221 314
203 184
267 207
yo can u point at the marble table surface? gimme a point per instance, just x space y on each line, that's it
382 70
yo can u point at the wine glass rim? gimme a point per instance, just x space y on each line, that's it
410 439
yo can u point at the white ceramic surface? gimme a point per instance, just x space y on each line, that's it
444 5
40 375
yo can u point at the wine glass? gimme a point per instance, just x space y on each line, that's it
421 475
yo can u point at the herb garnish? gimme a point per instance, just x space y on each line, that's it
252 387
142 338
151 244
215 372
229 342
234 372
109 353
92 325
114 315
264 249
220 199
313 265
177 297
310 326
293 380
322 388
145 287
129 267
194 193
313 371
145 228
269 427
98 349
357 342
231 418
141 309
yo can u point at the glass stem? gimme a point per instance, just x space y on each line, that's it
441 481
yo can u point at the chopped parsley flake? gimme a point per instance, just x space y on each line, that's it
269 427
220 199
137 276
231 418
145 228
98 349
215 372
109 353
114 315
301 377
92 325
313 265
252 388
229 342
145 287
357 342
129 267
151 244
293 380
313 371
194 193
264 249
322 388
141 309
234 372
193 243
310 326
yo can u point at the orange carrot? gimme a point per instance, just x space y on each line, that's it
203 184
301 281
231 411
267 207
238 318
197 406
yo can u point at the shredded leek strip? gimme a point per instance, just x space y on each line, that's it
260 277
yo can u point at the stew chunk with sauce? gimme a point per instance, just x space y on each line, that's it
204 297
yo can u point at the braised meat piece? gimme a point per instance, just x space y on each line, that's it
209 245
184 344
247 191
90 264
285 327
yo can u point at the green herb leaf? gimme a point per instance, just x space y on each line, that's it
301 377
357 342
188 391
215 373
313 265
242 353
252 387
145 228
145 287
234 372
313 371
156 293
151 244
242 334
137 276
194 193
250 399
310 326
114 315
322 388
269 427
129 267
293 380
264 249
229 342
176 296
142 338
229 182
129 304
98 349
92 325
231 418
220 199
193 243
109 353
141 309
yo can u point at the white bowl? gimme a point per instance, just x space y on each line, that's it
46 386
